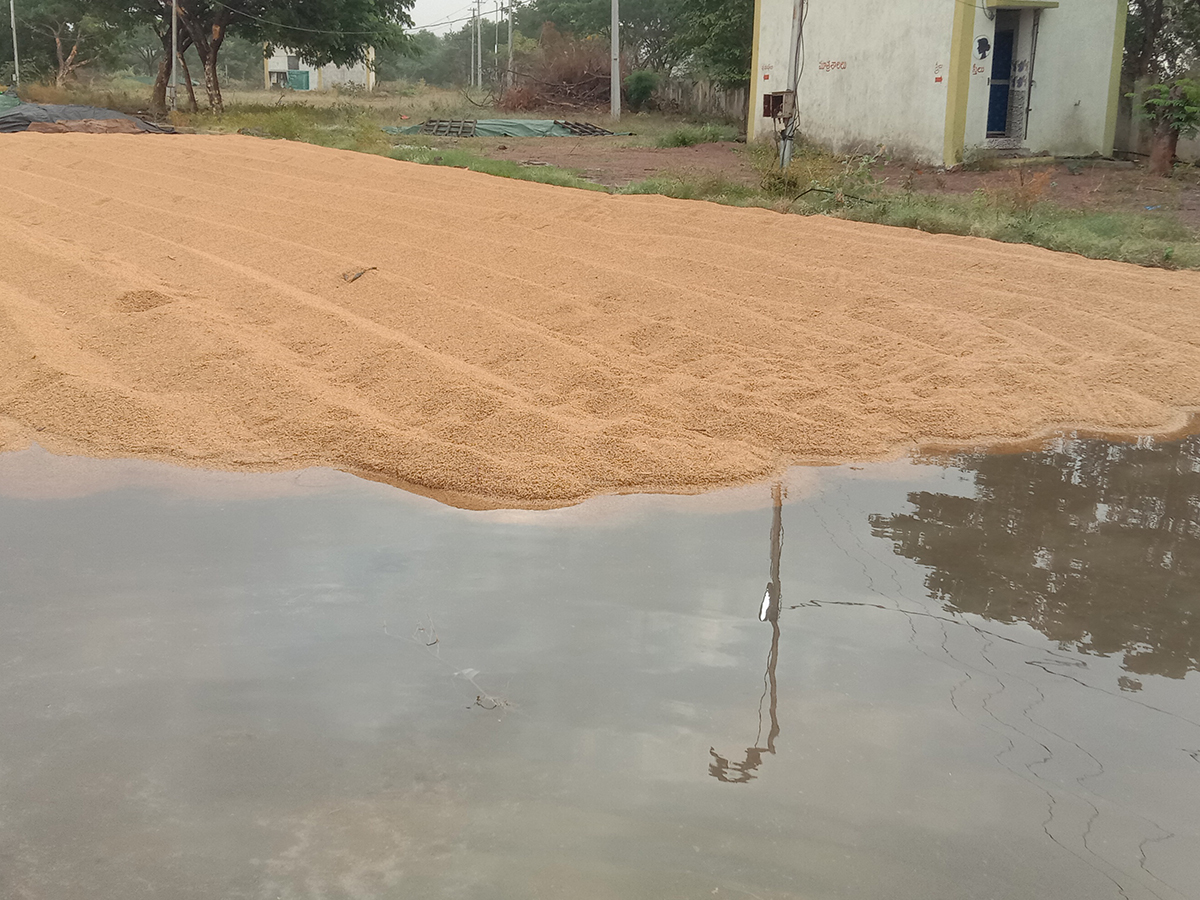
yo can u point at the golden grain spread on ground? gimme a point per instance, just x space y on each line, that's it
506 343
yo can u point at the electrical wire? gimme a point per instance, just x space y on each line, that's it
302 29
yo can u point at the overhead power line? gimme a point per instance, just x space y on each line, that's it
303 30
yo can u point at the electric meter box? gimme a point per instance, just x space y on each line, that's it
780 105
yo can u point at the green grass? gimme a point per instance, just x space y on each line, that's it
1147 240
690 135
702 187
465 159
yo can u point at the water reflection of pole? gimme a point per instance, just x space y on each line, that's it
720 767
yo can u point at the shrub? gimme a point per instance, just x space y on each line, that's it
690 135
640 87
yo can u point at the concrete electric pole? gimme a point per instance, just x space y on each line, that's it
479 40
616 59
12 14
174 54
508 74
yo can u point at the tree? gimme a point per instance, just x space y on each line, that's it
718 37
60 37
648 27
713 38
1162 43
1162 39
1096 545
1174 111
322 31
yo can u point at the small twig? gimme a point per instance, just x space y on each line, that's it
355 274
835 193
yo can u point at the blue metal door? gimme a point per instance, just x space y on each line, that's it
1001 83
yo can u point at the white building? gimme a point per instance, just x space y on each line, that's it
284 68
934 79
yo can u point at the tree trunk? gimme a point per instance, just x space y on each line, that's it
1162 151
212 84
208 44
1145 63
193 106
68 62
158 99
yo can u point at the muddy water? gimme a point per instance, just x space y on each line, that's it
963 677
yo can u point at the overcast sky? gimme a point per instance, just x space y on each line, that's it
432 12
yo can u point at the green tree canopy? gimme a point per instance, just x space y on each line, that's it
712 38
322 31
57 38
1162 39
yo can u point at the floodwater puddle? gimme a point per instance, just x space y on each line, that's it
969 676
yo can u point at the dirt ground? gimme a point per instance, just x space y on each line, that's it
1075 184
235 303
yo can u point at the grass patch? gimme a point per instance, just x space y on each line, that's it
464 159
701 187
690 135
1146 240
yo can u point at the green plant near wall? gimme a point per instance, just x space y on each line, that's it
640 87
1174 108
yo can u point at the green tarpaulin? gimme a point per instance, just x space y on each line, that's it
298 80
9 99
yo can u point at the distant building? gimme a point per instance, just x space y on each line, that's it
937 79
286 69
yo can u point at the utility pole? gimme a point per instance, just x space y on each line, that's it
508 73
616 60
787 141
471 82
174 54
12 14
479 40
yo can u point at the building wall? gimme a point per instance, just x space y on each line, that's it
907 74
1071 98
875 71
322 77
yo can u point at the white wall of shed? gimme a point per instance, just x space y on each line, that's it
871 72
1072 78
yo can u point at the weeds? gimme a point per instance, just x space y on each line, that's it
819 182
690 135
1026 190
699 187
465 159
1126 237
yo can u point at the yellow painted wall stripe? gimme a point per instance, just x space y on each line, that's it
752 115
959 83
1114 86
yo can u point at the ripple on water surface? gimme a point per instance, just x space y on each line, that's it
966 676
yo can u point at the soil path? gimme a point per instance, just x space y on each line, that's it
186 298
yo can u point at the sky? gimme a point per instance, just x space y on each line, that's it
430 12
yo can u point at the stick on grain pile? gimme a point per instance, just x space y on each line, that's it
185 298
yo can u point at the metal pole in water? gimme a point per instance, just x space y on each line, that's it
616 59
174 54
12 14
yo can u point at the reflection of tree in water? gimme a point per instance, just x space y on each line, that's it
732 772
1094 544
